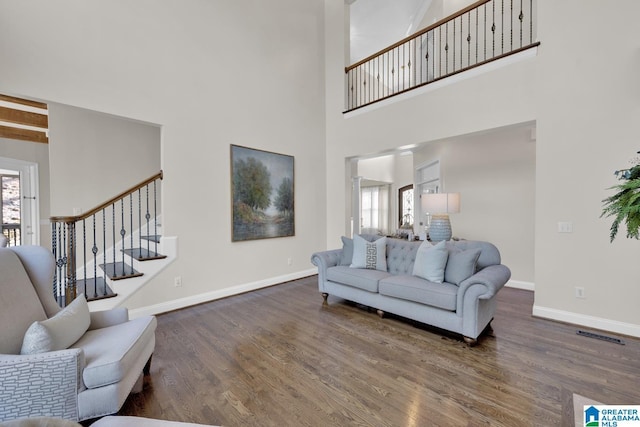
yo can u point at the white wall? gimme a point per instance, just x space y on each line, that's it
494 172
211 74
95 156
588 96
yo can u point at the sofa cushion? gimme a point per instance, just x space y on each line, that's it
461 265
431 261
110 352
412 288
369 255
356 277
19 303
60 331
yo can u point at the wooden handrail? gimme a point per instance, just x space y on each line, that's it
418 33
109 202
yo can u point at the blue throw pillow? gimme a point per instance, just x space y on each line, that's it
431 261
347 251
461 265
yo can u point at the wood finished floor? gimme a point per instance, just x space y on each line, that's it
279 357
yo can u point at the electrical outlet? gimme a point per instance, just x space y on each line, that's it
289 261
565 227
177 281
580 292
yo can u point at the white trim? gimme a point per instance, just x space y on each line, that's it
588 321
518 284
218 294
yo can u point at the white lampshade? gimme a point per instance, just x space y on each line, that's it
441 203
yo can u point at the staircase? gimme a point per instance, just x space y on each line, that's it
111 251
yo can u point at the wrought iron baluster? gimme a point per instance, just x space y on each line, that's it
84 254
123 233
520 18
131 223
104 238
493 30
94 251
469 39
530 21
155 216
147 216
502 27
54 248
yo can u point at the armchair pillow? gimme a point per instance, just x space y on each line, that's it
431 261
370 255
60 331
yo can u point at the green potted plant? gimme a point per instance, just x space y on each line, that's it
624 206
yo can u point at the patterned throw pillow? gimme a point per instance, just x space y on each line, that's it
370 255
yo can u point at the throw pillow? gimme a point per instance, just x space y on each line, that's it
347 251
60 331
461 265
371 255
431 261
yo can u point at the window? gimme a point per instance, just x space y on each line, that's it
375 209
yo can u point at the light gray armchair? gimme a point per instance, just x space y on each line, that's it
65 363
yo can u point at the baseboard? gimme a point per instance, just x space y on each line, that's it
214 295
587 321
518 284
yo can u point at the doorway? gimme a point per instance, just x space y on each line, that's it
19 202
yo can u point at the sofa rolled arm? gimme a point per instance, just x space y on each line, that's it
103 319
324 260
45 384
493 277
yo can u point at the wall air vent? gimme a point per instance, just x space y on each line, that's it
600 337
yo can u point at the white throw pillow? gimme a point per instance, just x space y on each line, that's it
431 261
60 331
371 255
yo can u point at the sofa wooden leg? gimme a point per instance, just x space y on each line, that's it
471 342
147 367
324 297
489 328
380 313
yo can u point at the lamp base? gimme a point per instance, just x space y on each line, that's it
440 228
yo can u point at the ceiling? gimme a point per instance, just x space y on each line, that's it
376 24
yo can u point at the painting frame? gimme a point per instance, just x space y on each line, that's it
262 194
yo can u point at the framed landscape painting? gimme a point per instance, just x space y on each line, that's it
262 194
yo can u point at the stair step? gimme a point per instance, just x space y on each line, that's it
91 285
119 270
154 238
142 254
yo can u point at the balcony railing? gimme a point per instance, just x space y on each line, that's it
482 32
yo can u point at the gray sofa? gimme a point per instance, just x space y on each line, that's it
68 363
465 307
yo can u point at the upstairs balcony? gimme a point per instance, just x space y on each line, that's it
485 31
